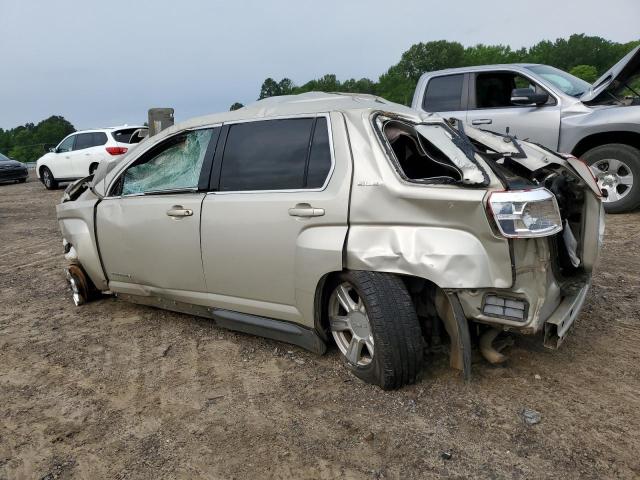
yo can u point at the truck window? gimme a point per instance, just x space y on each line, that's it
443 94
493 89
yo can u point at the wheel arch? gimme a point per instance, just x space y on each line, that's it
604 138
413 284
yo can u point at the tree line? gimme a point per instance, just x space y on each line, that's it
28 142
584 56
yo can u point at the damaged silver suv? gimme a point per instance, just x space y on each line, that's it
324 217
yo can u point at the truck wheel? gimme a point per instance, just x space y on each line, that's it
617 169
376 329
48 179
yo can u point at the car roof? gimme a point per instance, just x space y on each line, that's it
108 129
480 68
302 104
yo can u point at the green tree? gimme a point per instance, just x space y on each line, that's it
588 73
285 86
398 82
235 106
28 142
487 54
270 88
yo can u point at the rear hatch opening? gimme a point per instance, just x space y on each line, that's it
441 153
430 153
130 136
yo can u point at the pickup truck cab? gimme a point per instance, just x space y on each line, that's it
598 123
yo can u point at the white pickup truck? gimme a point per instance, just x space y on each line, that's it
598 123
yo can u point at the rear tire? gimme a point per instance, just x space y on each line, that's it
379 318
48 179
616 167
22 180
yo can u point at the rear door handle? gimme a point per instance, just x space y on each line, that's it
178 211
305 210
481 121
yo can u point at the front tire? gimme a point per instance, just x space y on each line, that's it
48 179
617 169
375 326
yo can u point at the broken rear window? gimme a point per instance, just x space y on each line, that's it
432 153
129 135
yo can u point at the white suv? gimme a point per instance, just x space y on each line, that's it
80 153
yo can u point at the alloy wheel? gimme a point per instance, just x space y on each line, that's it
47 178
75 290
350 326
614 178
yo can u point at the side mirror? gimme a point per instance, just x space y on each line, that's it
52 149
526 96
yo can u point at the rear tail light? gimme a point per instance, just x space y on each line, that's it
116 150
525 213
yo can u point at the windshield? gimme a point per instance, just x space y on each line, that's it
3 158
564 81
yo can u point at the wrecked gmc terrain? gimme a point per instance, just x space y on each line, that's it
322 217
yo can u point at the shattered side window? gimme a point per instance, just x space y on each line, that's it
432 153
175 167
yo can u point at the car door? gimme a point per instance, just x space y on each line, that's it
89 149
276 219
447 96
148 227
60 164
490 108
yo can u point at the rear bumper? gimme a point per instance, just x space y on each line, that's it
553 312
557 326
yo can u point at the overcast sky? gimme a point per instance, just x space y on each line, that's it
101 63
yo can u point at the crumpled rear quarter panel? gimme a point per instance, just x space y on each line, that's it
437 232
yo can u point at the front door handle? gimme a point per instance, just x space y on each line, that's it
178 211
305 210
481 121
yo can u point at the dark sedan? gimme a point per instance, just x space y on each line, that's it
12 170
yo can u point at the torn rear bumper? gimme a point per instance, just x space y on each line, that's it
557 326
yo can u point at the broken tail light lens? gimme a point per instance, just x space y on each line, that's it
525 213
116 150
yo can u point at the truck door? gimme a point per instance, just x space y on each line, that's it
490 108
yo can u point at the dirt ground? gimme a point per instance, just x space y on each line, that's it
115 390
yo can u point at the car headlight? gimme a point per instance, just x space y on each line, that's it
525 213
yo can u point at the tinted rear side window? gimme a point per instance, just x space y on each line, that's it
266 155
320 156
443 94
99 138
84 140
88 140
